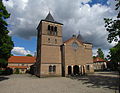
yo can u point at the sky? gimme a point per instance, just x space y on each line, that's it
84 16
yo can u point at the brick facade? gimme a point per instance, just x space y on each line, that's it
54 56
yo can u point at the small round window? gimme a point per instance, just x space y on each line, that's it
74 45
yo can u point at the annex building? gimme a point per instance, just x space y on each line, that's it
58 58
22 63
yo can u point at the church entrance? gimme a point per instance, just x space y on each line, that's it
69 70
76 70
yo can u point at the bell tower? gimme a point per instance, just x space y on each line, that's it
49 39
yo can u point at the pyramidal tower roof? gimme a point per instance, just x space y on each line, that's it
49 17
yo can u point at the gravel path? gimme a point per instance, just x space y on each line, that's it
25 83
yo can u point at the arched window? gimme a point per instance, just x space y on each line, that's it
55 28
51 28
55 31
50 68
54 68
48 27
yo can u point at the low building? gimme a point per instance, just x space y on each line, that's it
23 63
99 64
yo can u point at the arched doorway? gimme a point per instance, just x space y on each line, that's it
69 70
76 70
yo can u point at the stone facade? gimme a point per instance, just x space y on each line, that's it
55 56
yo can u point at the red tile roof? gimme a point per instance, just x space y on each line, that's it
18 66
98 59
21 59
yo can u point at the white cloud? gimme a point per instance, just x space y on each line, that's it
76 15
20 51
8 4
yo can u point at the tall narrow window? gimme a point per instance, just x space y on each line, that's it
51 28
48 27
50 68
55 28
54 68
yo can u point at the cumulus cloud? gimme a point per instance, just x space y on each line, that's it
20 51
76 15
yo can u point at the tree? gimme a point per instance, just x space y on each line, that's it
115 55
29 55
113 27
6 43
100 53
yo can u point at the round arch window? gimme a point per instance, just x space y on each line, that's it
75 45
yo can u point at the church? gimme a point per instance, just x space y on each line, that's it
58 58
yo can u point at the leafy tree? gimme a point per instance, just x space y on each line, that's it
3 63
106 59
11 55
113 27
115 55
94 57
29 55
6 44
100 53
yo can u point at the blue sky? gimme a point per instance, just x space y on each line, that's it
102 2
85 16
27 44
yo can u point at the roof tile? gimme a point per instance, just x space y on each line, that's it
21 59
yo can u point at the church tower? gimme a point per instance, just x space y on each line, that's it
49 39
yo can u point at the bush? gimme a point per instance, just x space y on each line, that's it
8 71
1 72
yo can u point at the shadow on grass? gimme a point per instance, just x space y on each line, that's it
3 78
95 81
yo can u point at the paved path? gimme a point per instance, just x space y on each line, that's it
108 74
25 83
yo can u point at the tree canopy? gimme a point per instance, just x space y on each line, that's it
29 55
6 43
113 27
100 53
